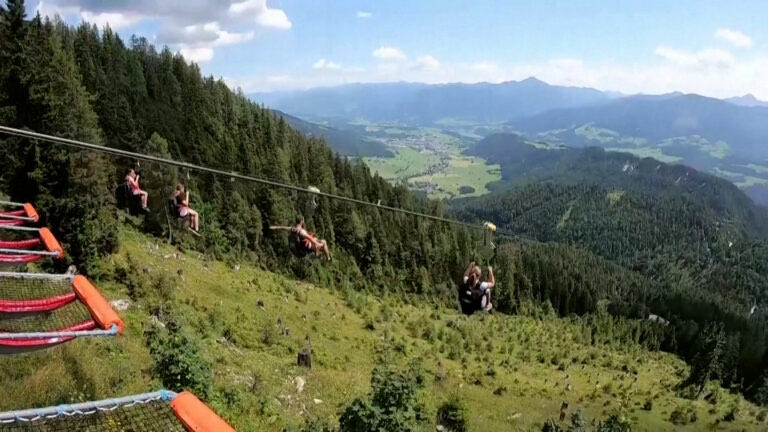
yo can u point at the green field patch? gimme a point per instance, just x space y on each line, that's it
454 122
461 171
632 141
614 196
430 159
717 149
545 145
406 163
731 175
593 133
762 169
643 152
751 181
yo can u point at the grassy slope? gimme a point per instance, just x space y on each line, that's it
537 363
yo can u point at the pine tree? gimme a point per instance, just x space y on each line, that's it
707 365
13 88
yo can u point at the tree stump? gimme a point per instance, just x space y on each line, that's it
305 358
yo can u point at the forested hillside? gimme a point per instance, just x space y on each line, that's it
696 240
90 85
132 97
523 161
345 142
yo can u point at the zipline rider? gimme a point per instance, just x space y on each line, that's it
303 240
474 294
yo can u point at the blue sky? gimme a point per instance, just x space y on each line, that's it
715 48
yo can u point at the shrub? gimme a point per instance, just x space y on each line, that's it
648 405
313 425
683 415
452 415
392 405
730 416
551 426
178 361
614 423
464 190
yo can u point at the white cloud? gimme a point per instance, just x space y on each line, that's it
428 63
115 20
734 37
197 42
264 15
388 53
208 34
199 54
706 58
325 64
274 18
362 14
194 27
51 9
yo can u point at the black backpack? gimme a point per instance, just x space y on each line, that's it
173 208
297 245
471 299
123 195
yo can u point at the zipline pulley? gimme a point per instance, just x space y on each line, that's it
490 228
313 200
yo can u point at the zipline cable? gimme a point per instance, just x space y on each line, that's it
138 156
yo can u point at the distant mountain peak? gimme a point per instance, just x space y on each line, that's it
533 80
747 100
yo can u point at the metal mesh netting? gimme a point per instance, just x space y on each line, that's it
153 416
29 288
65 316
12 235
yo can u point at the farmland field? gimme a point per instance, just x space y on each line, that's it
465 171
430 160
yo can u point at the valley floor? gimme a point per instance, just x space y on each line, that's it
513 371
430 161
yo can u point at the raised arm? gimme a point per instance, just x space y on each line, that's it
491 280
469 269
281 228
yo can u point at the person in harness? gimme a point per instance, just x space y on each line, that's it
474 294
132 179
181 199
304 241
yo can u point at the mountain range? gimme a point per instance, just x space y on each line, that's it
743 129
419 104
725 137
747 100
707 134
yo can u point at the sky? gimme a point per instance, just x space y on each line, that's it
710 47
